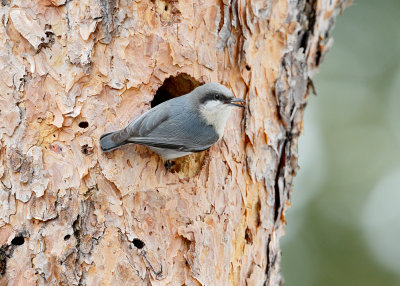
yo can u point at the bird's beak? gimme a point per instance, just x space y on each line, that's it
235 101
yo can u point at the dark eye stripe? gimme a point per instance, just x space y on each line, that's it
211 96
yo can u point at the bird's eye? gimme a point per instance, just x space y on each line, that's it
217 97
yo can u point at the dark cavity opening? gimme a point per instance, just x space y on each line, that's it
138 243
83 124
84 149
175 86
68 236
18 240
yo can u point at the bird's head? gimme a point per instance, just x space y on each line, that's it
215 103
215 96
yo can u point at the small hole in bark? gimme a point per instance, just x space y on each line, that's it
3 261
83 124
86 149
175 86
166 8
248 236
18 240
248 67
68 236
138 243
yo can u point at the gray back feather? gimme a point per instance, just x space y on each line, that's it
172 123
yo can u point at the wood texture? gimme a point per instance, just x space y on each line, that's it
71 70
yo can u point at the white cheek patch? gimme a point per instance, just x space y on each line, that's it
216 113
213 104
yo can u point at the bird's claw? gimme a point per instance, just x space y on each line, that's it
168 165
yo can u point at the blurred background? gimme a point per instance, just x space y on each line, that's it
344 224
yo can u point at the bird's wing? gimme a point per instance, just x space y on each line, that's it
150 130
170 143
146 123
142 126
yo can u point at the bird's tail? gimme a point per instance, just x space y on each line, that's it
110 141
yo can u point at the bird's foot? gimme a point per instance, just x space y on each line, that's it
168 165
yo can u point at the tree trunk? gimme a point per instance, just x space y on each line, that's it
72 70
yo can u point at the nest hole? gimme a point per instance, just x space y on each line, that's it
175 86
172 87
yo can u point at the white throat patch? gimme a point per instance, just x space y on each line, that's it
216 114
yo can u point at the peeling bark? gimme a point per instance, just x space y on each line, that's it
72 70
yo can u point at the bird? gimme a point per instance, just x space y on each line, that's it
180 126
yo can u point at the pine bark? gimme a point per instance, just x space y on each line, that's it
72 70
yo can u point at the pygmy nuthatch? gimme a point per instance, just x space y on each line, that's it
179 126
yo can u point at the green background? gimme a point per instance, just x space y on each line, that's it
344 224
